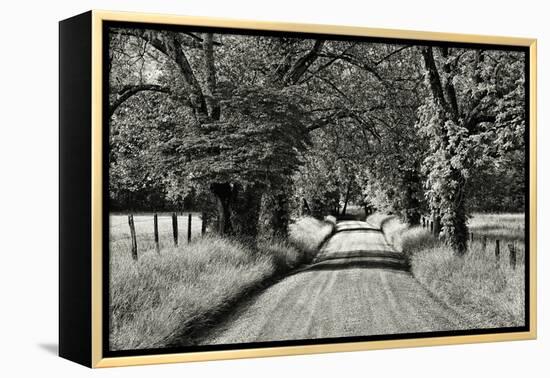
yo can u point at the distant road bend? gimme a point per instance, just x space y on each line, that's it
358 285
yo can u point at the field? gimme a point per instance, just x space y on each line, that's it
168 298
487 288
119 231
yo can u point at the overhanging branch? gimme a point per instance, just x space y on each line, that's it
302 64
130 90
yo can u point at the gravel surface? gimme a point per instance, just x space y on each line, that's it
358 285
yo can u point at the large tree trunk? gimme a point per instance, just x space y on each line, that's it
238 209
436 218
223 194
275 213
412 216
346 199
305 207
245 211
454 224
412 201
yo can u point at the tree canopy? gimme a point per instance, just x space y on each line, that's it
256 129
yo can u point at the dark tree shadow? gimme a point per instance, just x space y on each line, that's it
362 229
362 254
363 262
358 264
358 217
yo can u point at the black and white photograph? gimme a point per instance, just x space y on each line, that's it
277 188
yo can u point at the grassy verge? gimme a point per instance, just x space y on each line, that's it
161 299
489 291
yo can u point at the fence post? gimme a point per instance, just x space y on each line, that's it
512 249
471 236
484 242
175 228
423 222
189 217
203 223
156 227
133 236
431 226
497 249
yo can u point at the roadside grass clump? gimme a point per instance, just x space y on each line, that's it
488 290
307 234
166 299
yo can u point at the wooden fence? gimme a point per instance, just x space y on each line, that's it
427 222
174 216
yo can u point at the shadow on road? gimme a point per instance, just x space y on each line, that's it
363 259
352 229
362 254
358 263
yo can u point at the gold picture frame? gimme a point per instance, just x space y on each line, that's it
95 20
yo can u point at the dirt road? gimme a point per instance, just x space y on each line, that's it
357 286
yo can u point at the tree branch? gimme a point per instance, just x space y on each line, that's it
194 89
328 64
170 44
130 90
433 76
302 64
201 40
322 122
210 73
343 113
188 40
358 63
449 86
390 55
473 120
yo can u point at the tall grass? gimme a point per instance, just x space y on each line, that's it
488 290
166 299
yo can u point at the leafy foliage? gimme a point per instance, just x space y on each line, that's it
260 137
254 129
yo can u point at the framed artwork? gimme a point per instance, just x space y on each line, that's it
235 189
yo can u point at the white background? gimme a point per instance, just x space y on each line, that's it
29 190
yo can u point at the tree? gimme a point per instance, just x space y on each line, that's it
258 141
262 125
472 104
378 88
250 144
